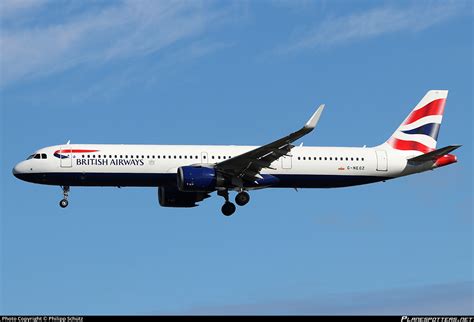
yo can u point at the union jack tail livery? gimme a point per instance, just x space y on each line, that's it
419 131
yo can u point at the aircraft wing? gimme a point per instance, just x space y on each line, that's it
248 165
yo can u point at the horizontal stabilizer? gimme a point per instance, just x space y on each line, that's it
434 155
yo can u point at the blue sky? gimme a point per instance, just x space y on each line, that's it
225 72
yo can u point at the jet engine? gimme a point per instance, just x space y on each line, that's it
201 179
172 197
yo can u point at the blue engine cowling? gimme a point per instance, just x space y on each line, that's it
199 179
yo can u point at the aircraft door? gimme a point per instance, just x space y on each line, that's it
65 157
286 162
382 162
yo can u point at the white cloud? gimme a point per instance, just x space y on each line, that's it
372 23
129 29
9 8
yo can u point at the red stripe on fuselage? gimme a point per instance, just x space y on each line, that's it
408 145
75 151
435 107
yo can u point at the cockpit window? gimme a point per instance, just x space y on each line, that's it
38 156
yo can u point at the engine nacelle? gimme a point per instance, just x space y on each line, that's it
196 178
172 197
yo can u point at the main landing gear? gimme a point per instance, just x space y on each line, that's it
63 203
242 198
228 208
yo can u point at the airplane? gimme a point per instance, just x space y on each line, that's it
188 174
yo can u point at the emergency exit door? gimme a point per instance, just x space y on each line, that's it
382 162
65 157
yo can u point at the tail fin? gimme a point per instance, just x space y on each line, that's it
419 131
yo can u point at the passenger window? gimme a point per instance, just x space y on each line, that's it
330 158
325 158
352 159
362 159
347 159
357 159
299 158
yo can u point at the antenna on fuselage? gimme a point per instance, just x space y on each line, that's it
68 141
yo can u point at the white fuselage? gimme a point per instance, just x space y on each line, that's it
156 165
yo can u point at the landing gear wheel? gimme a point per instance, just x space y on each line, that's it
242 198
228 208
63 203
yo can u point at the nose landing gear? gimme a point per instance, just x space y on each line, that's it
64 203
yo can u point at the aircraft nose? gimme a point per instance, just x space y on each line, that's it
19 169
16 171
